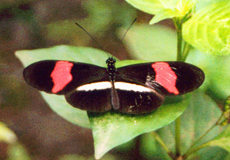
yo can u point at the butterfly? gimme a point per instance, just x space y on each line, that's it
132 89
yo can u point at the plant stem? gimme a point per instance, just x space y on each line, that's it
178 25
161 142
181 55
186 50
177 135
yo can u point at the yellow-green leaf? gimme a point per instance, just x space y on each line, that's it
209 29
163 9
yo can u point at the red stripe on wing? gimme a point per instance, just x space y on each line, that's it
165 76
61 75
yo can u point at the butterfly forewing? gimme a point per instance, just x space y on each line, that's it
61 77
189 77
166 78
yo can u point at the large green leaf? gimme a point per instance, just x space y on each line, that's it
112 129
80 54
208 29
163 9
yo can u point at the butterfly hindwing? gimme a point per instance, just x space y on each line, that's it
134 102
93 101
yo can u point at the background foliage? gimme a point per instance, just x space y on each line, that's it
37 132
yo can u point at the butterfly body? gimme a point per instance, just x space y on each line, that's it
133 89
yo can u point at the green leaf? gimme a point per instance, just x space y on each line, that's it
227 157
210 153
162 15
7 135
208 30
216 69
163 9
112 129
59 105
151 43
63 52
222 140
219 73
201 4
201 113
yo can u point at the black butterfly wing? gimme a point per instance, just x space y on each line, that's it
93 101
60 77
157 79
133 102
167 78
64 77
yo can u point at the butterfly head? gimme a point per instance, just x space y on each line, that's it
111 66
111 62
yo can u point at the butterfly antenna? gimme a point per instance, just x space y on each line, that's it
126 33
90 36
